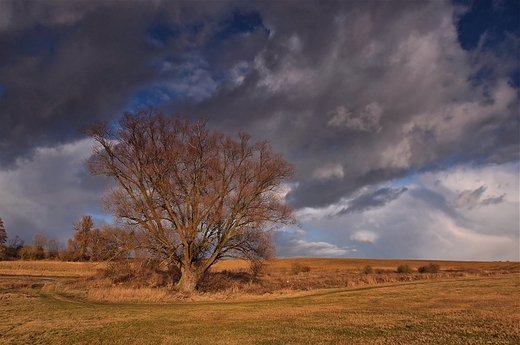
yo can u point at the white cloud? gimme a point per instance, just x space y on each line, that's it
315 249
428 222
329 171
292 244
364 236
398 155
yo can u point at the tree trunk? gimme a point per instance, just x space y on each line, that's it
189 280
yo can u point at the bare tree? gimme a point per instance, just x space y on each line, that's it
3 239
3 234
111 242
14 245
52 248
39 241
194 196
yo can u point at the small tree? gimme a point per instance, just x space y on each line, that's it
111 242
31 253
52 248
95 244
14 245
193 196
3 238
39 241
79 247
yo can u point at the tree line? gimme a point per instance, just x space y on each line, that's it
89 243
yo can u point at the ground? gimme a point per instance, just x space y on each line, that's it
478 305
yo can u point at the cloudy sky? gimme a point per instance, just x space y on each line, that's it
401 117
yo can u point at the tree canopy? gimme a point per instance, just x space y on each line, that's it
193 196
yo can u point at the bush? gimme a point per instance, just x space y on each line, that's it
70 255
139 273
431 268
404 269
32 253
118 271
368 269
297 268
12 250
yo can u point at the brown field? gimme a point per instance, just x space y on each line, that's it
48 268
77 269
231 279
332 301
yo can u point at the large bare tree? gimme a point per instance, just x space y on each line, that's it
194 195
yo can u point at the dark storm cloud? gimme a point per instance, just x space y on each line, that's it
372 199
354 93
65 64
339 90
307 80
62 72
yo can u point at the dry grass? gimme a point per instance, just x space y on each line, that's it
475 310
333 302
49 268
280 274
231 280
125 294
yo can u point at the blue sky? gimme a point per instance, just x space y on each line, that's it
401 117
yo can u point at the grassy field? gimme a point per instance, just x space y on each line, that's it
462 309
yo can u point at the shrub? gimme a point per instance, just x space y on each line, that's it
118 271
32 253
297 268
139 273
404 269
12 250
368 269
431 268
257 268
70 255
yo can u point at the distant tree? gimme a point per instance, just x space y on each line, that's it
3 234
32 253
52 248
79 247
13 247
94 244
193 196
111 242
3 239
39 240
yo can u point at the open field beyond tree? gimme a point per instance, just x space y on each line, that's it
465 303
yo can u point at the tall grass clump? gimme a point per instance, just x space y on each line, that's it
404 269
431 268
297 268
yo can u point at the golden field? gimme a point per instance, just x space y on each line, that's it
82 269
331 302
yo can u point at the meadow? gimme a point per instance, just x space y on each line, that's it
295 301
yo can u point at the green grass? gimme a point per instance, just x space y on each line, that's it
481 310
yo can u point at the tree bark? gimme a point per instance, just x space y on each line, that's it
189 280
